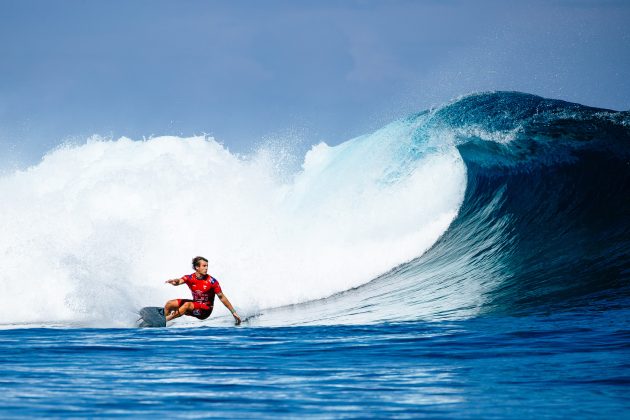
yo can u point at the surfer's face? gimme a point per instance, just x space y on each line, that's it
202 268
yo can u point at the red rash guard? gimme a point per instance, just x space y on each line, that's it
203 292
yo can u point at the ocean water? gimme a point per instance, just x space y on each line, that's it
469 261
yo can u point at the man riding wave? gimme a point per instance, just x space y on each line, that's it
204 288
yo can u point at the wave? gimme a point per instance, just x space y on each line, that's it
545 222
497 202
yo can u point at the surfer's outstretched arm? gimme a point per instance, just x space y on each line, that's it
175 282
224 300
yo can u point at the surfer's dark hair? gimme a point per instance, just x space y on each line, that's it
195 261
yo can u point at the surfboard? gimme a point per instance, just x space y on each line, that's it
151 317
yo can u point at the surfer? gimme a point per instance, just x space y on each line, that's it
203 287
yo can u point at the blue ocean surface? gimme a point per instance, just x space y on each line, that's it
469 261
562 365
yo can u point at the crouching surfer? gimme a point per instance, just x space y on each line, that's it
203 287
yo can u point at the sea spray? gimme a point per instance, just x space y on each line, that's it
90 234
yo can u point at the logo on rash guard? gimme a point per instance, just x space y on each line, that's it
200 295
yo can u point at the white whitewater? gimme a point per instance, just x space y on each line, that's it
91 233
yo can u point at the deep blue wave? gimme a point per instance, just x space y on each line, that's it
551 208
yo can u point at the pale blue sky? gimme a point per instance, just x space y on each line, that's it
246 71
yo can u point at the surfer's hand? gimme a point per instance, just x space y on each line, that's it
172 281
237 318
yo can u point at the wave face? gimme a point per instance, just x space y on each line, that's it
545 222
497 202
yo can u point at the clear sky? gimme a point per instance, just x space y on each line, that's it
248 71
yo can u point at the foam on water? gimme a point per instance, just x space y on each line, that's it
90 234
